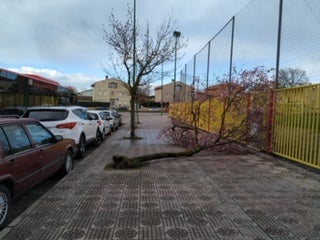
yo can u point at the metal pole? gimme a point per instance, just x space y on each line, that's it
134 56
176 34
208 65
231 50
162 89
278 44
185 82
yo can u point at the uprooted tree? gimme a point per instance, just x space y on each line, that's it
137 53
234 110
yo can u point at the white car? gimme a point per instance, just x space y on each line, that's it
70 122
114 119
103 122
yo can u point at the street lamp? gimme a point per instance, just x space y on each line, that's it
176 34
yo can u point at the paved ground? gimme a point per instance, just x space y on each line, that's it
200 197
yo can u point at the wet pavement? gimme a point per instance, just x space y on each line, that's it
206 196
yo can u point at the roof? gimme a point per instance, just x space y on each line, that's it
110 80
42 79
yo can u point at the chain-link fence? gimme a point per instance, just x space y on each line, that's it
278 34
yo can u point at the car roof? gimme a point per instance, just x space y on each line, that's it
54 107
16 120
95 111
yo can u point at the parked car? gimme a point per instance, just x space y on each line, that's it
29 153
114 119
103 122
70 122
119 116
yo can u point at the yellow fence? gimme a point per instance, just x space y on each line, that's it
290 119
296 125
207 115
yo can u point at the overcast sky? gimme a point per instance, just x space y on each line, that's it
63 40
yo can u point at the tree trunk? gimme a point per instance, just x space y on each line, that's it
132 122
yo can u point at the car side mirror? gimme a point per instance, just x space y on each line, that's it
58 138
90 117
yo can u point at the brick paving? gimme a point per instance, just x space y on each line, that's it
205 196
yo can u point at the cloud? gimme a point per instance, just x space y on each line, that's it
78 80
63 40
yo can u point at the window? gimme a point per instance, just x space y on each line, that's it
4 143
17 137
113 85
39 135
81 114
47 115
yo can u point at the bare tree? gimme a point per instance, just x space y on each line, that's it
291 77
150 53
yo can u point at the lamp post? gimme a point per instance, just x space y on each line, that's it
176 34
161 89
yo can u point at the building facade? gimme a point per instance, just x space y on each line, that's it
113 91
164 93
85 96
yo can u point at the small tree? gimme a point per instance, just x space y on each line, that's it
150 53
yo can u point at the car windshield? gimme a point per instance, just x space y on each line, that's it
47 115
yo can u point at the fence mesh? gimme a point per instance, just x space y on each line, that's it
250 39
290 117
300 38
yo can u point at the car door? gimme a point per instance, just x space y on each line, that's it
91 125
50 154
21 160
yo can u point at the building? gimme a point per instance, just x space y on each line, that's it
85 96
222 89
113 91
27 90
164 93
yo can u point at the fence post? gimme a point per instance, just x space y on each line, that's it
278 44
209 115
270 120
231 50
248 117
208 65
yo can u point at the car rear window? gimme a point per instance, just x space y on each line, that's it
47 115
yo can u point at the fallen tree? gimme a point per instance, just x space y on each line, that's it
233 116
123 162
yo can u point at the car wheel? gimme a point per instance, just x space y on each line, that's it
103 135
81 147
5 205
68 164
98 138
